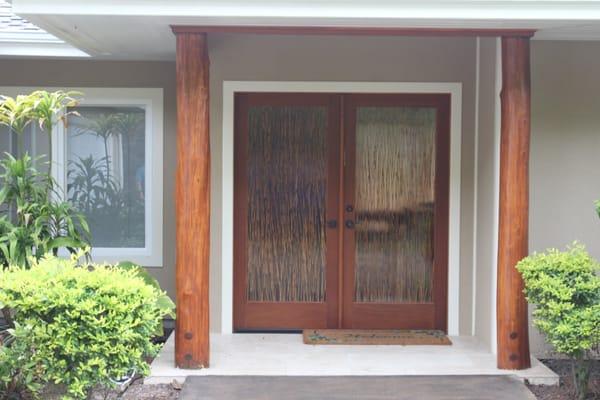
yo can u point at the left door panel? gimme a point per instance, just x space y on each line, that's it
286 205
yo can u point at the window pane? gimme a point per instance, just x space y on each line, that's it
33 141
105 172
6 141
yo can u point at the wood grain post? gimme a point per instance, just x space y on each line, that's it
192 202
513 338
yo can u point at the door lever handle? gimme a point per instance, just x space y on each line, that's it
332 224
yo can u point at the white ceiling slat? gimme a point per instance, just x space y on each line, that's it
19 37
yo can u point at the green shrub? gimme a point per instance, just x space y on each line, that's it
20 373
87 326
565 287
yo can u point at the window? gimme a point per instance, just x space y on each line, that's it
108 162
106 172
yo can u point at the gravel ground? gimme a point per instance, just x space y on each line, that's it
138 391
565 390
151 392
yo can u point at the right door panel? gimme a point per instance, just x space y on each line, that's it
396 172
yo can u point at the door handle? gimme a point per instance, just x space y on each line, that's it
350 224
332 224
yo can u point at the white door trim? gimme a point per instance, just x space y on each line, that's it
232 87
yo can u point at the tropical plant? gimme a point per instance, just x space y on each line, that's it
45 108
49 108
16 114
32 219
565 288
87 326
65 324
33 223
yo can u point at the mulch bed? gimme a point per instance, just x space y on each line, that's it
565 390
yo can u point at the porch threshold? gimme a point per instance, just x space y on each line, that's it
252 354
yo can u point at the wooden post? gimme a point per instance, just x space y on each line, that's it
513 338
192 201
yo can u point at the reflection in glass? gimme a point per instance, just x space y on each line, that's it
287 172
395 173
105 172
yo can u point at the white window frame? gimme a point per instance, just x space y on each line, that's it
151 99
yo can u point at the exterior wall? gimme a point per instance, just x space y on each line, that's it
565 168
565 132
486 226
75 73
279 58
332 58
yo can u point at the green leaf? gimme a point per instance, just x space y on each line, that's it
140 271
63 242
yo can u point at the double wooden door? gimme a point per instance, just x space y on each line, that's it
341 211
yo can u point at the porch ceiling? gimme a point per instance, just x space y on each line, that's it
138 30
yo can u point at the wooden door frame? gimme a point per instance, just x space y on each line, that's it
230 88
431 315
254 315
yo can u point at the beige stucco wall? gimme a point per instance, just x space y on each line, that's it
309 58
487 172
65 73
565 148
314 58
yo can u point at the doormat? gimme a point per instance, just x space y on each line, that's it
376 337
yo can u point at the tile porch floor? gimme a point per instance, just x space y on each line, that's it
286 355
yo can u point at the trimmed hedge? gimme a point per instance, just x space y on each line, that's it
86 326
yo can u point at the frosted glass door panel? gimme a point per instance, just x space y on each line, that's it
287 177
394 204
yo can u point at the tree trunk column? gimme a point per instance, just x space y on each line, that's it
192 202
513 337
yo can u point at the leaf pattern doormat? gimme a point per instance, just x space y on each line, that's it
376 337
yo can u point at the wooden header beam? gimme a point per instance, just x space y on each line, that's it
351 30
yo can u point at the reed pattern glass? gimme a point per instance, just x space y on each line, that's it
287 177
394 204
